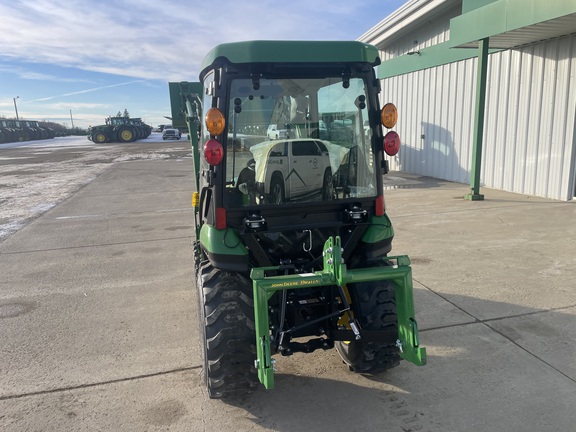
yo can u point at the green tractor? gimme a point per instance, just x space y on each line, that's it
142 129
35 131
9 131
119 129
292 238
16 130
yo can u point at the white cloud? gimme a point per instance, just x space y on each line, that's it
158 40
145 42
85 91
26 74
65 106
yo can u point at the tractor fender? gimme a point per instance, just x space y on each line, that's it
224 248
377 240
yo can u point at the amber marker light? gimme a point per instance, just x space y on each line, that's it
215 122
389 115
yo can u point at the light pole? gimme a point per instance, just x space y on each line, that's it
15 107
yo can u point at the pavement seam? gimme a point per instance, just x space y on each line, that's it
476 320
477 209
530 353
486 323
488 320
112 194
102 383
137 213
95 245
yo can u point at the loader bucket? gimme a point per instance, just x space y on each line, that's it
179 95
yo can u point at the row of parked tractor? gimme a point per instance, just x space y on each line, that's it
23 130
119 129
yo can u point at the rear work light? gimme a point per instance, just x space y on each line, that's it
213 152
391 143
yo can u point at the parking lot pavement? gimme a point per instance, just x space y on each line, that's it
99 324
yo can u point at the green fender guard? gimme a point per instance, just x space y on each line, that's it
336 273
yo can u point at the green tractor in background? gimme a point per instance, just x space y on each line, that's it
35 131
142 129
119 129
10 132
292 239
23 130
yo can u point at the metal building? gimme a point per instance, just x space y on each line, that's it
485 91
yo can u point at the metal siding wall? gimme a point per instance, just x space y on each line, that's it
529 123
529 129
563 164
437 104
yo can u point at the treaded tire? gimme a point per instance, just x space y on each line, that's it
327 185
228 331
374 306
126 134
277 191
100 137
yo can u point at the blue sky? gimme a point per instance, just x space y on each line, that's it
96 58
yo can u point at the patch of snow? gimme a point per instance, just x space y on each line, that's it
28 190
42 208
10 228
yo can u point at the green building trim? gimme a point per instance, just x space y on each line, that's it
436 55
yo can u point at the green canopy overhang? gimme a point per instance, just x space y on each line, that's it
512 23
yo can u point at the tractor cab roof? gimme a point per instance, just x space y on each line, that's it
265 51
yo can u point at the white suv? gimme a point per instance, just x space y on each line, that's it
293 169
274 133
170 133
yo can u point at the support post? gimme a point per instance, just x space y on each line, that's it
481 78
15 107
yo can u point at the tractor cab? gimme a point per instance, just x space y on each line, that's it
322 168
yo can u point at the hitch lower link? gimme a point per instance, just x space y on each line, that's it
335 273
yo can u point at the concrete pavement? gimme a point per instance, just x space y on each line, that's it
99 326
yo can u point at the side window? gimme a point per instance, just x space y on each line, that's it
207 99
279 150
304 148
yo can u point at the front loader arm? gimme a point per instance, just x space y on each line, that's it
186 107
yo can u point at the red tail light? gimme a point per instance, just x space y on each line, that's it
391 143
220 218
379 210
213 152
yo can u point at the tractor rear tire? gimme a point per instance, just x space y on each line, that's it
228 331
374 306
126 134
